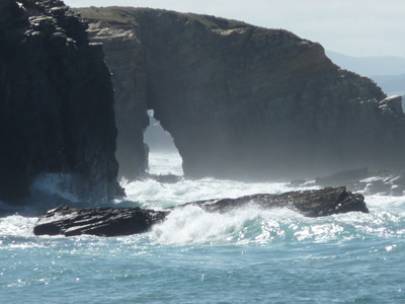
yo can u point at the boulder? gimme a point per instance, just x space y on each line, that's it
98 221
312 203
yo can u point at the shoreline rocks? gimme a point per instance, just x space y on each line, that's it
108 222
310 203
98 221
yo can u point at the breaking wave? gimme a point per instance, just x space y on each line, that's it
191 225
247 225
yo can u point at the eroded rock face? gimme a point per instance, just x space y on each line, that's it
56 102
241 101
115 221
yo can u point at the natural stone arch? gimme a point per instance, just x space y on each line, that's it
241 101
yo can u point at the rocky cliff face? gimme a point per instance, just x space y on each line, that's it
403 103
241 101
56 103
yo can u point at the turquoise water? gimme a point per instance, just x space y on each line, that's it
246 256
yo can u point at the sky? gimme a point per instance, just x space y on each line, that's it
353 27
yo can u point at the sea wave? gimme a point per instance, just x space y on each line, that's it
255 225
251 224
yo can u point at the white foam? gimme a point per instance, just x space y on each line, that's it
17 226
151 193
165 163
194 225
251 224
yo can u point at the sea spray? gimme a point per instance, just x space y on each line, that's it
252 254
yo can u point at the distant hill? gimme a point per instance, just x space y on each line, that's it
391 84
387 72
368 66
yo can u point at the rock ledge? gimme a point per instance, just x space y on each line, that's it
126 221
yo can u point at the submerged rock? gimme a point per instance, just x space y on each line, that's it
124 221
241 101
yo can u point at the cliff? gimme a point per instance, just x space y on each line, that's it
56 103
241 101
403 103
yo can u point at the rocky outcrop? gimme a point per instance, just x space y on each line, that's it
312 203
100 221
56 102
115 221
241 101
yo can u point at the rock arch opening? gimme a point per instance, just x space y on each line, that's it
163 156
241 102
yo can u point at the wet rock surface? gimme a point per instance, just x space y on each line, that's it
125 221
240 101
99 221
312 203
56 103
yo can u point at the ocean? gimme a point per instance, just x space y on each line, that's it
245 256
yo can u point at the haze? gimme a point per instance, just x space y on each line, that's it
357 28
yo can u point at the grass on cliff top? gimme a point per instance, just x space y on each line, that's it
110 14
125 15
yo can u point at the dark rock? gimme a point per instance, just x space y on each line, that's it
56 103
241 101
312 203
403 103
100 221
124 221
